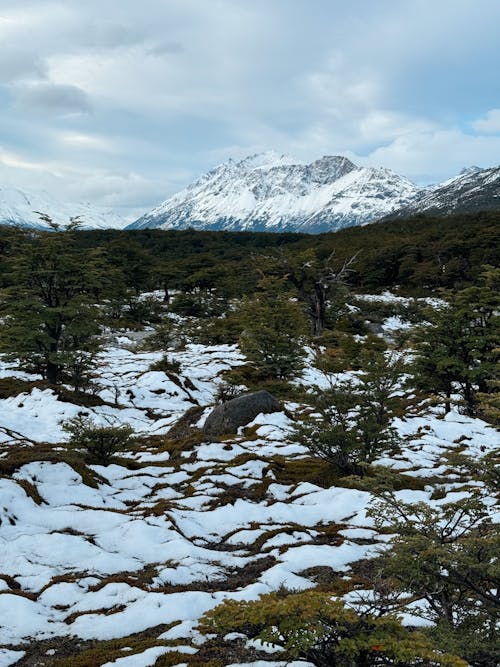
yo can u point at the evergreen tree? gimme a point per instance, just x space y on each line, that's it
457 351
447 556
274 327
50 320
351 424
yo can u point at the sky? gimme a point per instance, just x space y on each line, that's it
123 103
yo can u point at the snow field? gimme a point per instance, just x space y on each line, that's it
167 541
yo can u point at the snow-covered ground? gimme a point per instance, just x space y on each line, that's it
156 544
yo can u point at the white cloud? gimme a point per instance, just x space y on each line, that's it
127 100
490 124
446 151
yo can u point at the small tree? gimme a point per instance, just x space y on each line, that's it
99 442
456 353
274 329
318 282
447 556
49 314
351 424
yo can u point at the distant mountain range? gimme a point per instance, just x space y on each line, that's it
23 207
273 192
474 189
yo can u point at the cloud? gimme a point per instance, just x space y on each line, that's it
19 64
165 49
149 96
412 153
53 98
490 124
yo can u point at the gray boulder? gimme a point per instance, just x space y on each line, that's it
227 417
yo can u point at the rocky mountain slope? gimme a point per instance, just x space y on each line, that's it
474 189
271 192
22 207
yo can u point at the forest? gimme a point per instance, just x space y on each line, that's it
380 344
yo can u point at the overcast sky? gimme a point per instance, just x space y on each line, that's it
122 103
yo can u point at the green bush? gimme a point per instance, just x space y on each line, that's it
446 556
166 364
99 442
143 310
165 335
351 425
202 303
313 626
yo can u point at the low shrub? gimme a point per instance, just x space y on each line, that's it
99 442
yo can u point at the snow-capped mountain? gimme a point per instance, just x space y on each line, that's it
272 192
22 207
474 189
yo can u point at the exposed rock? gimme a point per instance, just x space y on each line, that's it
227 417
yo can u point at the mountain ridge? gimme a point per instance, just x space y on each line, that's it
268 192
20 206
275 192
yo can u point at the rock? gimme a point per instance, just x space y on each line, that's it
226 418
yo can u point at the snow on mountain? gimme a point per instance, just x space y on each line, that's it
22 207
272 192
474 189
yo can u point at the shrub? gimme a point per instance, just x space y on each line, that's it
99 442
274 331
351 425
313 626
144 309
165 335
166 365
445 556
198 304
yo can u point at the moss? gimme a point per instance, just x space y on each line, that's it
234 492
20 456
10 386
307 469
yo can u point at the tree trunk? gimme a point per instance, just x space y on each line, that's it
447 402
52 372
318 310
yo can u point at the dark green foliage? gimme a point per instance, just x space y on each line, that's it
351 424
201 303
165 335
313 626
166 364
419 254
51 322
144 310
99 442
456 353
446 555
274 329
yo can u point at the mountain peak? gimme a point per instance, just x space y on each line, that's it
276 192
470 170
267 160
19 206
